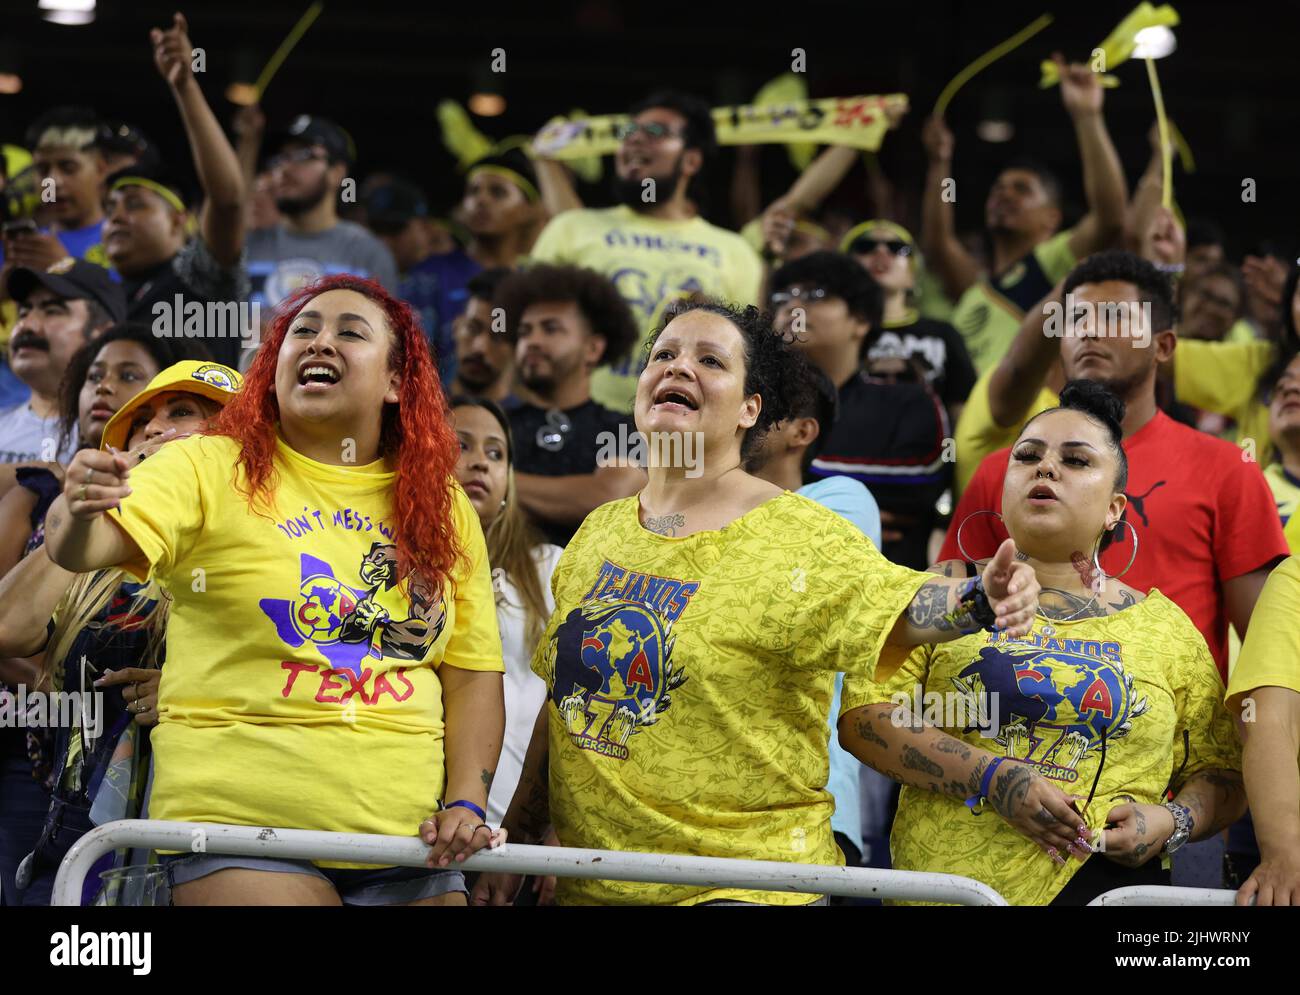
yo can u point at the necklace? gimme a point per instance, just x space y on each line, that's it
1049 629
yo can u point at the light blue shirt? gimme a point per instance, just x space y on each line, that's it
849 499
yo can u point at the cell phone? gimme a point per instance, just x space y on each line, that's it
23 226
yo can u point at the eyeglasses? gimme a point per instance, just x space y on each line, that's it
864 245
293 158
552 435
799 294
653 130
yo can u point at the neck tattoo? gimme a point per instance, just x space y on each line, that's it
666 525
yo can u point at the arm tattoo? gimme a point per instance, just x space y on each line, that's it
930 609
869 734
914 759
949 744
487 776
977 776
55 521
666 525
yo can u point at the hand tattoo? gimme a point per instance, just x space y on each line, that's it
1009 790
666 525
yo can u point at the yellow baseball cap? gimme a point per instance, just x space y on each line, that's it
192 376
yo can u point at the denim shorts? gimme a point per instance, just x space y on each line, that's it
355 885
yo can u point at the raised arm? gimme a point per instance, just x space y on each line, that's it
1020 374
944 254
218 168
899 745
946 608
1103 176
78 535
556 187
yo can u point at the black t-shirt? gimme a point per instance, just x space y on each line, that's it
937 350
567 451
890 436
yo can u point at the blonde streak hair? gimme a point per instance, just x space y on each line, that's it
89 595
511 539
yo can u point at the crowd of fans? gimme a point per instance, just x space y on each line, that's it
331 504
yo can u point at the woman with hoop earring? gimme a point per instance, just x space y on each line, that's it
1112 700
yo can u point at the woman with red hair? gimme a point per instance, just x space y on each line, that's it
333 655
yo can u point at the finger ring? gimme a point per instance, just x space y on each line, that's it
81 494
482 825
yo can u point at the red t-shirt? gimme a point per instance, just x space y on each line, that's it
1203 516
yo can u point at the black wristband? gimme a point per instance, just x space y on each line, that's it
973 603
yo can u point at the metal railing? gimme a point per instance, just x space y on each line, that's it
517 858
1150 894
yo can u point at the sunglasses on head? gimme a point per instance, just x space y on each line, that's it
864 245
653 130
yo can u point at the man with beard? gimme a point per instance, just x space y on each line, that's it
59 311
308 169
654 245
145 234
1206 526
564 321
1022 214
485 356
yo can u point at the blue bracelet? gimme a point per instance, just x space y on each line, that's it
985 781
469 805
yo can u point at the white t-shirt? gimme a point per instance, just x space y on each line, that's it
24 437
525 691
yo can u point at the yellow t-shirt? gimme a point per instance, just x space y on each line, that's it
652 262
989 313
1270 656
1140 677
301 686
1286 492
689 680
1292 533
1223 377
978 434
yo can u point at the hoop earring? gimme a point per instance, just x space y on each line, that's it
1096 550
962 549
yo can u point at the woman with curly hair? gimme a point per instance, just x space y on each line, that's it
699 626
333 656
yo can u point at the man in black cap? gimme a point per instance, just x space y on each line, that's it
170 278
432 283
308 171
59 310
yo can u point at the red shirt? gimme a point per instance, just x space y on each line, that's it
1203 516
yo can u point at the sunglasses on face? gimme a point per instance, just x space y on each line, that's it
807 294
653 130
864 246
293 158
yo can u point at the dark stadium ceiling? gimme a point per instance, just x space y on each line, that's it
380 68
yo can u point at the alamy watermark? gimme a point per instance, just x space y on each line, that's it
1107 320
179 318
947 710
25 709
678 450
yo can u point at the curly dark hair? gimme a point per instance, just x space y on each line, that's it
165 352
771 363
1116 264
605 310
1104 407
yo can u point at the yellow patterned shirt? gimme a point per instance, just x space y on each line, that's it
689 680
1139 678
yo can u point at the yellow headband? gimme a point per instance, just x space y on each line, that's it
518 179
851 236
148 184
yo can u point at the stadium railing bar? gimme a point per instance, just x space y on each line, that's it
404 851
1149 894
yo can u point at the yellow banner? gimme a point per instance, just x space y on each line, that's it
858 122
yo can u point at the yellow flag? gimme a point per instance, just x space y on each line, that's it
1119 44
785 89
462 139
858 122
